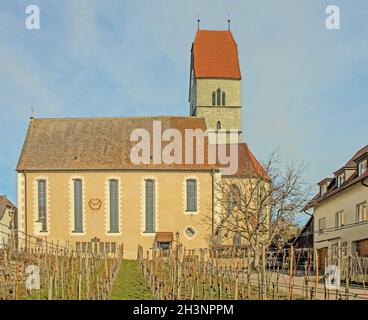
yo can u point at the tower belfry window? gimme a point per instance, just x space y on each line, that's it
218 96
223 98
213 98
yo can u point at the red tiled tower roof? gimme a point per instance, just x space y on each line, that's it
215 55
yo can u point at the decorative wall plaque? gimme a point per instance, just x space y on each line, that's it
95 204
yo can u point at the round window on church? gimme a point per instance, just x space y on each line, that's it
190 232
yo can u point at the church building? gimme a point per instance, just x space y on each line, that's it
77 183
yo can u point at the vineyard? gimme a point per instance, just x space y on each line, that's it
59 271
216 274
232 273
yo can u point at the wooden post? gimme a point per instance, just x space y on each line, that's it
361 271
347 282
50 288
291 267
317 271
236 294
249 275
80 287
263 274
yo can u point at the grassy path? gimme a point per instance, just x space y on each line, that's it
129 284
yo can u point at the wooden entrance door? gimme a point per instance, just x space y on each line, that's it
322 258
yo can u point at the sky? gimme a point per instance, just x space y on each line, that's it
304 87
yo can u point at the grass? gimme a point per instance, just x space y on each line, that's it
129 284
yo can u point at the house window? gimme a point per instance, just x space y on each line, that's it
362 167
191 195
213 98
322 225
340 180
150 206
323 190
223 98
190 232
218 125
361 212
339 219
42 205
218 97
114 206
78 205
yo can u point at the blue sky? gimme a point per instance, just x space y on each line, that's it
305 88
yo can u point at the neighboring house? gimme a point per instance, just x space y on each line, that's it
340 211
7 220
305 240
77 182
303 244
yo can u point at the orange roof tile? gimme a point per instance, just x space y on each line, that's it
5 204
215 55
248 165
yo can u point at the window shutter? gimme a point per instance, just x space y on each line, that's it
150 209
191 195
78 209
114 205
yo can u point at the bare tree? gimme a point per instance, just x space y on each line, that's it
261 208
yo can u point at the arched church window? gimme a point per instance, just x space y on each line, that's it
218 97
233 198
223 98
191 195
218 125
237 239
78 205
42 204
150 205
114 205
213 98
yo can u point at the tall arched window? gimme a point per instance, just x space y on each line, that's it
150 205
218 96
42 207
237 239
213 98
218 125
78 205
191 195
233 198
114 205
223 98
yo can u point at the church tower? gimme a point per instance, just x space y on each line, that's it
215 83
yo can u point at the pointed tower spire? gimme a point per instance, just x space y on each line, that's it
198 20
228 19
32 112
